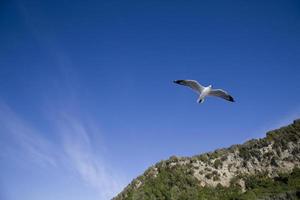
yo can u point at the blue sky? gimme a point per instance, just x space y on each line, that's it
86 95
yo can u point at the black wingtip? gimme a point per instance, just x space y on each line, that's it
231 99
178 81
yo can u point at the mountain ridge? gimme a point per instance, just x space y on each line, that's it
229 169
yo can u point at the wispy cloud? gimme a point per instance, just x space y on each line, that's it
72 150
82 157
25 137
288 118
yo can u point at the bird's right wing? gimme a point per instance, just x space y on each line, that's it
197 87
221 93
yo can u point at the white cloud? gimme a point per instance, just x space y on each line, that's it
83 159
72 150
26 139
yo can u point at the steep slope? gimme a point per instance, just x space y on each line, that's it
258 169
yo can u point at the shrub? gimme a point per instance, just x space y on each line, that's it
217 164
209 175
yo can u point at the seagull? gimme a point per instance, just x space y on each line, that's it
204 91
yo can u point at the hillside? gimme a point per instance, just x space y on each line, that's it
266 168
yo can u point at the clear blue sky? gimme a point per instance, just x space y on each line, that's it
86 95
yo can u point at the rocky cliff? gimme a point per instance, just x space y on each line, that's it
266 168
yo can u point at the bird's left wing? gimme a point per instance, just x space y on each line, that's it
194 85
221 93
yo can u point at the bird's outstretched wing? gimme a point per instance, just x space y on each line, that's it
191 84
221 93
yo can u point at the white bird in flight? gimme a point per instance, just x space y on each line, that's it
204 91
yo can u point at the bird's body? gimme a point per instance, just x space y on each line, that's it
204 91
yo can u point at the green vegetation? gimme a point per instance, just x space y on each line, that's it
261 186
179 184
218 164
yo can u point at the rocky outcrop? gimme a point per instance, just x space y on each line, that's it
277 153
